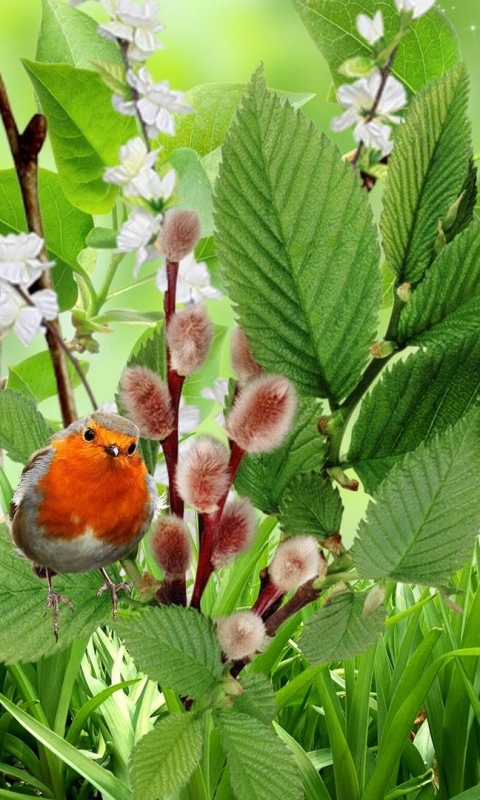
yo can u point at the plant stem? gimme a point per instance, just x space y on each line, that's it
102 294
303 596
135 95
385 72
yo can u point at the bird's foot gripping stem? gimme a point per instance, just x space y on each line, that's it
113 588
53 601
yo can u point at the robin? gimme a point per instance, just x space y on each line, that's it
83 502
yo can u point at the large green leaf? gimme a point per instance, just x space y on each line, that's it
451 283
399 413
427 172
194 190
260 764
68 36
332 26
22 428
341 629
257 699
164 759
84 129
176 646
311 505
264 478
422 524
295 232
34 377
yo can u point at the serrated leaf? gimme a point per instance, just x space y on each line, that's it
422 524
176 646
451 283
340 630
264 478
399 413
295 231
85 131
22 428
68 36
164 759
257 699
34 377
260 764
193 190
426 173
311 505
332 26
27 632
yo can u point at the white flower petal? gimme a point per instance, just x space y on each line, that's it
370 29
345 120
46 302
418 7
29 322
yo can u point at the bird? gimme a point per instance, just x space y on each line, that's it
84 501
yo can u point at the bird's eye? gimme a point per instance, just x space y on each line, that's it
132 449
89 435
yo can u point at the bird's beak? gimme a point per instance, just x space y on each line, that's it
112 449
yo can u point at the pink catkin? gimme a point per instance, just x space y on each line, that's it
189 336
147 401
171 546
235 533
296 561
202 474
262 414
180 233
241 634
243 362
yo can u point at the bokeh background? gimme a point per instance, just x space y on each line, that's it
204 41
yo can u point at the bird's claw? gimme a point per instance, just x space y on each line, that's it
53 601
113 588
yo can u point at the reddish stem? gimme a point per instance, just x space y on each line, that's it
269 594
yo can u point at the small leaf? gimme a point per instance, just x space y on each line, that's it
113 75
176 646
257 699
264 478
164 759
422 524
261 766
22 428
436 139
34 377
311 505
194 190
102 238
129 316
339 630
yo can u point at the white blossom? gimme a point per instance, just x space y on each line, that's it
156 103
138 233
24 319
135 23
193 281
418 7
18 258
370 29
136 174
358 98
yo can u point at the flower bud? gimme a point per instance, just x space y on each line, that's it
202 474
147 401
296 561
235 533
189 336
241 634
262 414
171 546
243 363
180 234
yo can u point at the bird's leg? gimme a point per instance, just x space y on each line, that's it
53 600
113 588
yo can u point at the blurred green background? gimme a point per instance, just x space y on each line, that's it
204 41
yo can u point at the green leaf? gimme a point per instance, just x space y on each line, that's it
85 131
194 190
68 36
332 26
261 765
257 699
398 414
27 632
295 231
311 505
421 525
176 646
22 428
208 373
264 478
426 173
34 377
102 238
339 630
129 316
164 759
450 284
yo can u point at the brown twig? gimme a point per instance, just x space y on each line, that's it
303 596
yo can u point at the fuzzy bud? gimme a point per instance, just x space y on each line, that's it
147 401
296 561
171 546
241 634
262 414
202 474
236 531
180 234
243 363
189 336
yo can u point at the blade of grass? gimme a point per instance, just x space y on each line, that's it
313 784
346 781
